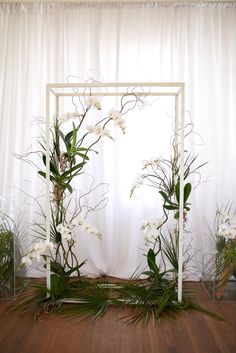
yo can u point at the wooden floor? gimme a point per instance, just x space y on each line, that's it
190 333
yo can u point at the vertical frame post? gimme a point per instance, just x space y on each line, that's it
181 196
48 207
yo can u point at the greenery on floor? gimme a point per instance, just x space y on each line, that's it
81 298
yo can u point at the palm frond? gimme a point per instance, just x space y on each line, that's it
92 300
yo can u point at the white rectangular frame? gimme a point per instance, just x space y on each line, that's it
175 89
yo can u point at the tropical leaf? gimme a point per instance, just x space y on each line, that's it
177 191
76 268
151 259
170 249
43 174
53 166
92 300
187 191
176 215
71 170
172 207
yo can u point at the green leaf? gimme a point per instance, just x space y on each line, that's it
75 269
57 268
67 143
71 170
148 273
171 207
84 149
44 176
165 197
176 216
59 287
68 138
53 167
177 191
69 187
187 191
84 156
151 259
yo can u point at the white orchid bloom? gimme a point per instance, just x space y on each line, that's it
80 221
154 162
98 130
93 102
49 245
116 116
26 260
227 230
67 116
86 227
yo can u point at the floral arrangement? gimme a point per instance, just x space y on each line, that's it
70 153
163 175
224 241
74 136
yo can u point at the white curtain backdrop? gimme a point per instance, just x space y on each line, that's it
194 43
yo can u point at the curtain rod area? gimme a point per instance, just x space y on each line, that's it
118 1
14 4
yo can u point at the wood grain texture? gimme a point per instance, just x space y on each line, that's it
188 333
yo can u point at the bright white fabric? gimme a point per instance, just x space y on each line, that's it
195 43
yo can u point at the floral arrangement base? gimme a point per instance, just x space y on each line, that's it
147 300
13 288
225 293
220 283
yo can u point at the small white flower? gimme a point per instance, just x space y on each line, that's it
154 162
144 224
59 227
80 221
26 260
151 230
114 114
66 231
66 236
151 223
67 116
90 129
139 180
150 239
93 230
227 230
136 184
99 235
39 247
49 245
117 119
71 242
86 227
93 102
107 134
98 130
